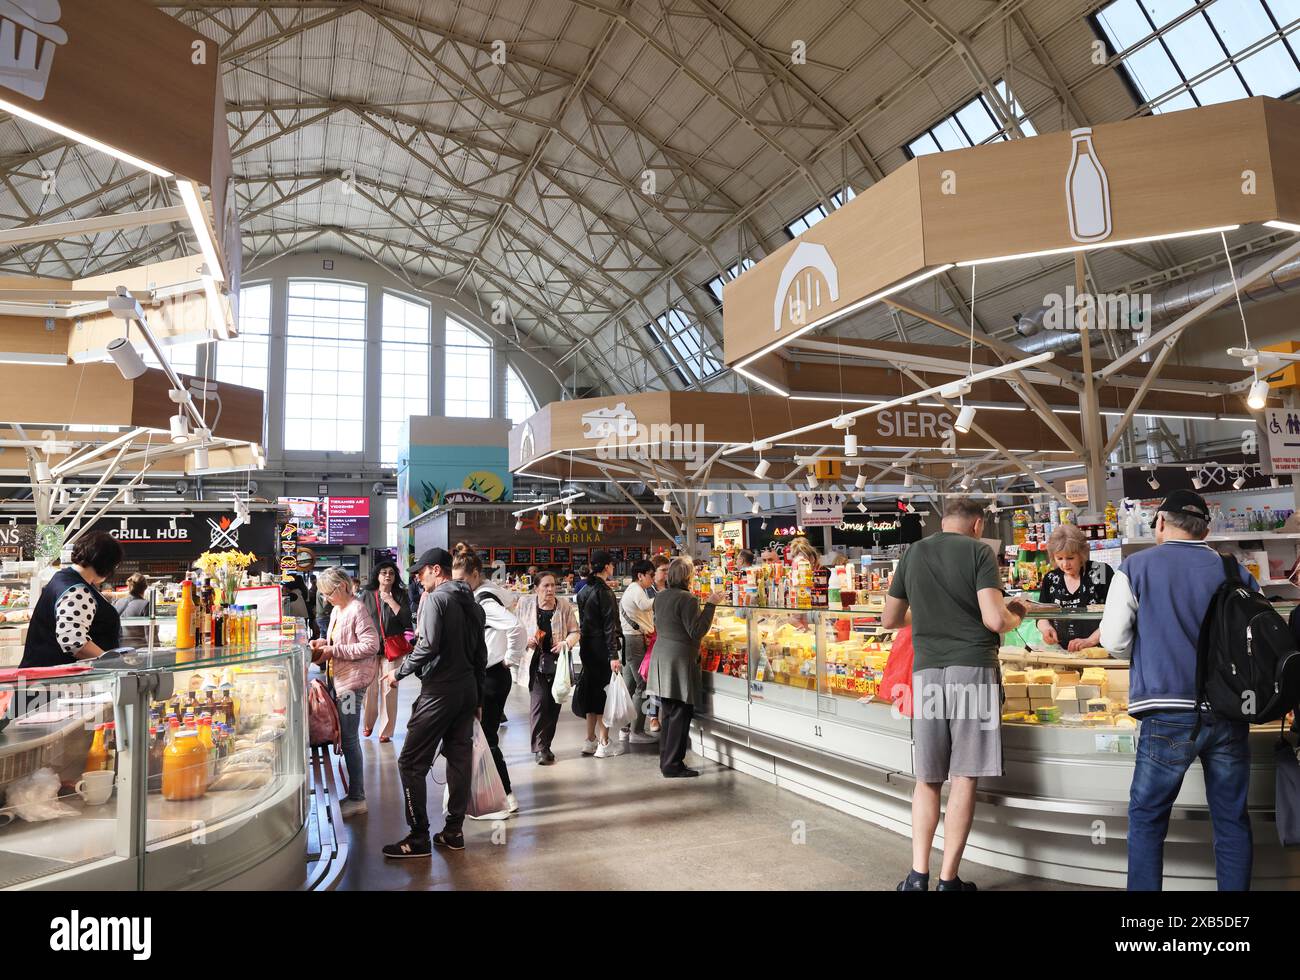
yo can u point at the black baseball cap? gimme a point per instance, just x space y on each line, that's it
434 556
1184 502
599 559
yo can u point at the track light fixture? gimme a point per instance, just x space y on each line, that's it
127 358
965 418
760 471
180 427
668 506
43 474
1153 483
907 478
710 507
812 480
861 482
754 508
1258 396
1240 481
519 524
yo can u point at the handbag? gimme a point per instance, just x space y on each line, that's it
645 660
896 682
323 726
395 647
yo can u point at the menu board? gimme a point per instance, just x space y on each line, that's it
635 554
561 556
523 556
542 556
485 556
329 520
501 555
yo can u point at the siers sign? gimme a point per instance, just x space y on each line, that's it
154 537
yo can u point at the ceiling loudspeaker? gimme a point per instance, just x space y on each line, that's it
252 486
181 486
377 489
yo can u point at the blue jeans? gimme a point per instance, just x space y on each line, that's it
350 707
1165 750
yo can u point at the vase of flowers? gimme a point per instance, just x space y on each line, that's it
227 569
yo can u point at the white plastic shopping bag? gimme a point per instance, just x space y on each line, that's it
486 794
562 686
620 709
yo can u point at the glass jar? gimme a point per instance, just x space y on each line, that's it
185 767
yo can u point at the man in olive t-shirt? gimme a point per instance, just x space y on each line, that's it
948 589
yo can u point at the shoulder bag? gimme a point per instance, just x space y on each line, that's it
394 647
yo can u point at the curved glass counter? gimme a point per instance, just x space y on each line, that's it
92 796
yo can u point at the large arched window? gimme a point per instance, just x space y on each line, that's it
519 401
243 361
325 366
469 373
404 388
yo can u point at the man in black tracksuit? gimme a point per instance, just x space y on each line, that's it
450 658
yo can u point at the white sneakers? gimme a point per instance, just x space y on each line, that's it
607 749
352 808
624 734
512 805
589 747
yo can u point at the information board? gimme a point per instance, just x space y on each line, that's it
329 520
820 509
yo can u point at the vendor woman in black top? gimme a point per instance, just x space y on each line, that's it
72 621
1074 584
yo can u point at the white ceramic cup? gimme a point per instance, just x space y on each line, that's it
96 787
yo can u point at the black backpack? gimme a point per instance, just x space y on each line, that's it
1247 664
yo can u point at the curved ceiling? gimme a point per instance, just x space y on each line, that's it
582 165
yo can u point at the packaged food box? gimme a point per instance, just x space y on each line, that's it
1048 715
1097 704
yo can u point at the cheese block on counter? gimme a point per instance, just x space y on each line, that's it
1015 677
1041 676
1067 678
1094 653
1040 692
1066 694
1016 704
1015 691
1085 692
1097 704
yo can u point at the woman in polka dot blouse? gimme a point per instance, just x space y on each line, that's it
72 621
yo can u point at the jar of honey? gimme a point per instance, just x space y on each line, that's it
185 767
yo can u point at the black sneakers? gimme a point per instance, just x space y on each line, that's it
956 885
410 846
453 842
544 758
914 882
682 773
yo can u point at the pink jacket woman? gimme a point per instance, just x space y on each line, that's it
564 629
355 642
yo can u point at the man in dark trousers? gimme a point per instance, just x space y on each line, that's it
450 658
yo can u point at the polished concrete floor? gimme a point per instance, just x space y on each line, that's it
589 823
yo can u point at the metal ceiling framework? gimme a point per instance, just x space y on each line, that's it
391 130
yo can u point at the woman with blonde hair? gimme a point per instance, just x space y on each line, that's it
352 642
1074 584
801 549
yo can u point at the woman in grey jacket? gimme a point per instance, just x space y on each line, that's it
680 625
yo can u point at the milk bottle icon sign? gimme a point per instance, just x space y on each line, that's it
1087 192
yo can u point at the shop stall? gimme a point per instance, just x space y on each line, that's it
165 769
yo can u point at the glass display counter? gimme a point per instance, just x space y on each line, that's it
814 719
100 790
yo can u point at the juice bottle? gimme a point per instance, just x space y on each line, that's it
97 757
209 743
185 766
185 617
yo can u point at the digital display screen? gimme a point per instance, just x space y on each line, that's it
330 520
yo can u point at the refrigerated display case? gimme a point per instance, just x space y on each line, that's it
815 720
217 811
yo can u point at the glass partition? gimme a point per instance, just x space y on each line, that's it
784 671
156 768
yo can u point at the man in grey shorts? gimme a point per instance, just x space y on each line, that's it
947 588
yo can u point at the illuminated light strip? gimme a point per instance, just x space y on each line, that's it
771 386
189 192
50 124
1202 417
839 314
1096 245
1284 225
915 396
872 401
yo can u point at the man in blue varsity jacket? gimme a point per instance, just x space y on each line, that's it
1153 616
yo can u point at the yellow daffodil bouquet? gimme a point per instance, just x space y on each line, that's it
227 568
